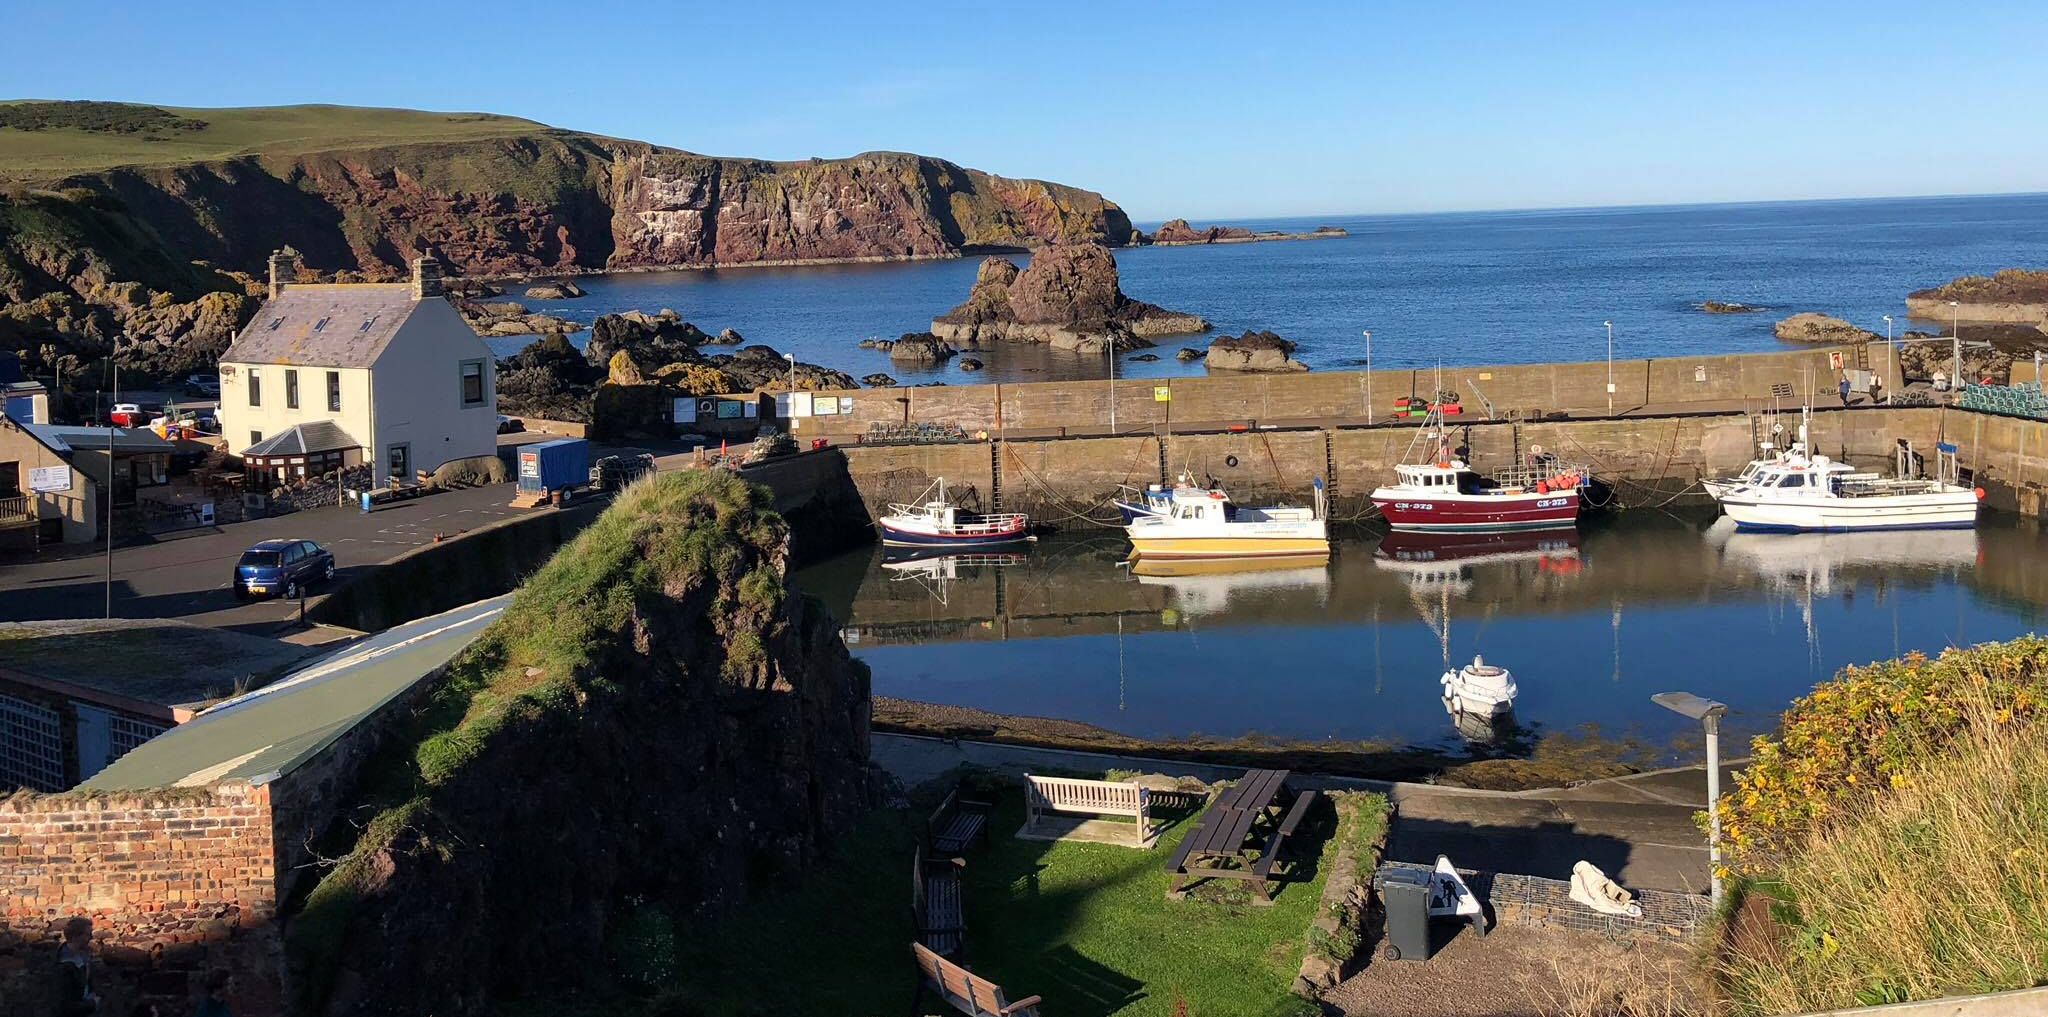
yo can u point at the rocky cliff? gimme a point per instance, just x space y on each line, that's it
2013 295
363 191
655 719
1069 296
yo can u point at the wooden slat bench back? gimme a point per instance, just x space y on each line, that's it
964 991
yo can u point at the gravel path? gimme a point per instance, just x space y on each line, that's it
1526 971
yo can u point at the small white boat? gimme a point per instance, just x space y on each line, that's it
1770 455
1209 525
1813 493
935 522
1480 688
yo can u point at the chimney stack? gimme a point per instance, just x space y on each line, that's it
426 277
284 269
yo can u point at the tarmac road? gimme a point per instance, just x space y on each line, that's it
186 575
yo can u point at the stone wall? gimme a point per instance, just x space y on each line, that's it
176 882
1528 391
1642 462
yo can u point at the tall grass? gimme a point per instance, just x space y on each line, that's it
1937 888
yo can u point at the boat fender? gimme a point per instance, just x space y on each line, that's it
1980 494
1543 487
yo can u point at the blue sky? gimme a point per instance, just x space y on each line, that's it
1208 111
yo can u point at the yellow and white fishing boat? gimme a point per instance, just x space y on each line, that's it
1207 525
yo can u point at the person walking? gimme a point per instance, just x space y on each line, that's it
1844 388
75 995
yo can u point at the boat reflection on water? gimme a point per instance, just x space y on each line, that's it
1423 554
936 569
1208 586
1482 729
1815 561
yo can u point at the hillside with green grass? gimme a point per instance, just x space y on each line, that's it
107 208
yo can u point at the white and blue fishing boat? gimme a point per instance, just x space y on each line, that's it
936 522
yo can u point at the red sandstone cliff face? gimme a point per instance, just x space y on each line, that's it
548 202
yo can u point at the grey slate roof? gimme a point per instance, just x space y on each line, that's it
299 439
332 325
66 438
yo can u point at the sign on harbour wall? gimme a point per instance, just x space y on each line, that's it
49 479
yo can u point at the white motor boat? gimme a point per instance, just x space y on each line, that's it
1770 455
1814 493
1480 688
1207 525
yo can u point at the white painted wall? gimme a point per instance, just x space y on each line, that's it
238 418
417 398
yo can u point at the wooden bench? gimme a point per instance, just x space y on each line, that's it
1215 848
1097 797
963 990
956 824
935 904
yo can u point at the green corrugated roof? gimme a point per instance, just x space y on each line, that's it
274 729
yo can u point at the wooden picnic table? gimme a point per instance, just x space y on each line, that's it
1216 847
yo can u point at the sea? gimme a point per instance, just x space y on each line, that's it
1457 288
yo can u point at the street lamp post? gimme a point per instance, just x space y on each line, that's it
1894 353
1368 376
1610 367
1708 713
1955 332
1111 350
114 362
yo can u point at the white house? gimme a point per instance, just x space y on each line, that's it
334 375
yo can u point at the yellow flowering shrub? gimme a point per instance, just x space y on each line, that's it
1866 730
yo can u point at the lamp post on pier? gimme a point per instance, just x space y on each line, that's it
1368 376
1708 713
1955 332
1610 367
1893 352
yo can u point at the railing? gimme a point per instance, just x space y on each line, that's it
16 511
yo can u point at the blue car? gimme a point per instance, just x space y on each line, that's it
281 568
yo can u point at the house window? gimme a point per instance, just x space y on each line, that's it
291 390
472 383
10 479
255 387
255 437
334 391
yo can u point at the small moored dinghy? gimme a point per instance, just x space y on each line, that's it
936 522
1480 688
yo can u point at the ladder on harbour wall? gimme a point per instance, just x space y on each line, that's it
1163 469
1329 466
995 476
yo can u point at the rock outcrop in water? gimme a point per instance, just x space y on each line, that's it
1253 351
2012 296
1068 297
1177 233
1811 327
655 722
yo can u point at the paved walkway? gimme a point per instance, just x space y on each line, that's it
1639 828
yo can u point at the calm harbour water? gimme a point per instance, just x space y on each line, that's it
1591 625
1495 287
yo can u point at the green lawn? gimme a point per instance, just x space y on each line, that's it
1087 926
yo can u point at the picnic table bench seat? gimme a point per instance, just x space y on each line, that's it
1271 852
963 990
957 823
1216 847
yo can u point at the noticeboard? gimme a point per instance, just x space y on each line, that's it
1162 394
49 479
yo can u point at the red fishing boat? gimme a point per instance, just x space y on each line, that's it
1442 494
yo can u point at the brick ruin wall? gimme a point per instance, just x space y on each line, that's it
177 883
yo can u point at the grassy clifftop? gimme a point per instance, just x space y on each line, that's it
51 140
